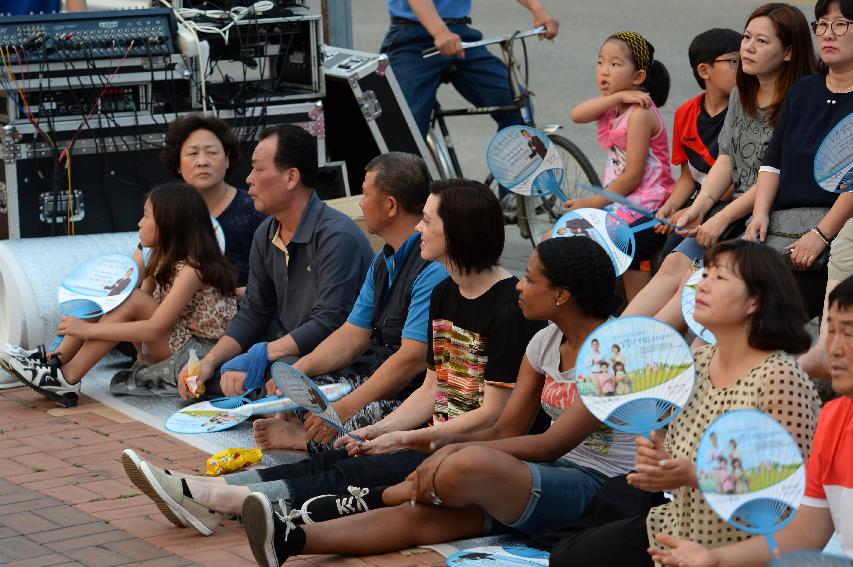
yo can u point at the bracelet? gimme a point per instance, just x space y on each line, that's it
821 235
701 194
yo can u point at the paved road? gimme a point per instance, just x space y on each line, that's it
563 71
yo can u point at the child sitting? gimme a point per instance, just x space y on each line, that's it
633 85
187 292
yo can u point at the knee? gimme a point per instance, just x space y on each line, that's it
469 464
674 265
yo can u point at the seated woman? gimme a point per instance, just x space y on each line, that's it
775 52
543 479
475 341
744 299
187 294
203 151
792 212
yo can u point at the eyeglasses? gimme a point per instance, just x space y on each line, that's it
839 27
732 61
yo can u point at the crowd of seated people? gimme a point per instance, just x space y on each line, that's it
462 376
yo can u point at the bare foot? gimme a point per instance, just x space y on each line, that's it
273 433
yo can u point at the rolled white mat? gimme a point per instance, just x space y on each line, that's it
31 270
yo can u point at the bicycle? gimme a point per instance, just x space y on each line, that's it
535 215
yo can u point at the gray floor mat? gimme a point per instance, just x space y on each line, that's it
154 410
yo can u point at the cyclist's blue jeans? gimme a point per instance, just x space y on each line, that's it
480 77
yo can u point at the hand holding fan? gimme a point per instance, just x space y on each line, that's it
611 232
751 472
631 205
302 390
833 162
224 413
646 384
524 160
688 304
96 288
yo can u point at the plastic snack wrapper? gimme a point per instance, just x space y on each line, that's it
192 375
231 460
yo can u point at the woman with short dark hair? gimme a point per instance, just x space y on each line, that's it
746 299
203 151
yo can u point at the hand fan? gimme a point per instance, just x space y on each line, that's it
833 162
302 390
524 160
499 556
644 385
688 304
811 559
629 204
611 232
96 288
751 472
216 415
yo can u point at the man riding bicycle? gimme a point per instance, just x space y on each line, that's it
479 76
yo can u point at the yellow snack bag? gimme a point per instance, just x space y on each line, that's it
192 375
231 460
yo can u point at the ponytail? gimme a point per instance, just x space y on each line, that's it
657 83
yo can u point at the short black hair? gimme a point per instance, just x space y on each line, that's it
295 148
708 45
821 8
841 296
473 224
779 322
182 128
581 266
402 176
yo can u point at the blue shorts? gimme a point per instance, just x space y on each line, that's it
559 493
691 248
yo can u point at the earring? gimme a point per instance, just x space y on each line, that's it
558 304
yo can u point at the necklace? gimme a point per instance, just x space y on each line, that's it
834 91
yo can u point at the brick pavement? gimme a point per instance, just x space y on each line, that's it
65 500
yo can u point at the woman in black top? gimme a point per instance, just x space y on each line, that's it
792 212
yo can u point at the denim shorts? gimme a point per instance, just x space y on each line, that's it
559 493
691 248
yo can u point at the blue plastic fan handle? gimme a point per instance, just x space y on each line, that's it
629 204
232 402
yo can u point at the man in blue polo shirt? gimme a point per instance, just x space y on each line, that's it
480 77
381 349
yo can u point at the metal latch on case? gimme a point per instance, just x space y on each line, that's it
369 104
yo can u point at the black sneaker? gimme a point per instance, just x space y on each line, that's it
330 506
273 537
45 378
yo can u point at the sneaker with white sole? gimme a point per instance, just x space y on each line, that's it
273 537
171 490
133 468
330 506
46 378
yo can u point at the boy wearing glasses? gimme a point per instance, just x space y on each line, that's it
714 56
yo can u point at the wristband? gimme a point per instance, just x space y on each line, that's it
821 235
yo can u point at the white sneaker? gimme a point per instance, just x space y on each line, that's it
44 378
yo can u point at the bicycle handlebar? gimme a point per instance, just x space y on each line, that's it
499 39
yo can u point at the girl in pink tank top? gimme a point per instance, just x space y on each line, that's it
630 127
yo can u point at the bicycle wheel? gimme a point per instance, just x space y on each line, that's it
537 215
441 155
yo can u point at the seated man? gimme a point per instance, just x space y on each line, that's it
305 265
385 337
